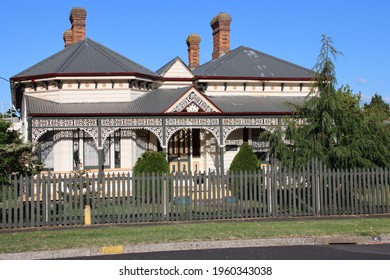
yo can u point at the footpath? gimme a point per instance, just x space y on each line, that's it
164 247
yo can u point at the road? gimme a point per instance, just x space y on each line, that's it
310 252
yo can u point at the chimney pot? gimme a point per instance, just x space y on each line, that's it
193 42
220 25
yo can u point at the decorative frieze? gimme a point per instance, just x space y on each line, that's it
192 121
220 128
250 121
85 122
132 122
52 123
61 123
194 99
63 134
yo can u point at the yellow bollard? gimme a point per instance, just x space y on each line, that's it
87 215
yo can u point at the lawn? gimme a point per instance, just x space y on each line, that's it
63 238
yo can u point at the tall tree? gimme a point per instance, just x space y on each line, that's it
334 130
378 108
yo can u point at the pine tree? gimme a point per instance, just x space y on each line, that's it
335 130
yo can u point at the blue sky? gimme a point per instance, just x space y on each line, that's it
154 32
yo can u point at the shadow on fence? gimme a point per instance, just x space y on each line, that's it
50 200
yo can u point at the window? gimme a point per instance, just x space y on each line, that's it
196 142
117 148
91 156
46 153
245 134
76 149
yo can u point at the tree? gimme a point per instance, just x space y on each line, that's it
378 108
16 157
335 129
150 162
376 113
244 160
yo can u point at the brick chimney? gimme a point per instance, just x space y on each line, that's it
193 42
221 34
67 38
77 19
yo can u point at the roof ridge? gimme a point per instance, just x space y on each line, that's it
163 68
71 57
214 62
104 50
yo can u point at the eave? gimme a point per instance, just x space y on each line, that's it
239 78
86 75
176 114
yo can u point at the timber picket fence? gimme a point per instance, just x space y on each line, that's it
54 200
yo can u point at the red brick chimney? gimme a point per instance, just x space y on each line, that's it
77 19
221 34
77 33
193 42
67 38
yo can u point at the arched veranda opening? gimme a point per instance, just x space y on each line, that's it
193 150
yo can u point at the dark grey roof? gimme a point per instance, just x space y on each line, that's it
256 104
247 62
154 102
85 57
158 101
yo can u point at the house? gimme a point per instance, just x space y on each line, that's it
89 107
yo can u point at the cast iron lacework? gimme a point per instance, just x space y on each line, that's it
193 100
192 108
155 125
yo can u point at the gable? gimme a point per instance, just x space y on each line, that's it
192 101
175 69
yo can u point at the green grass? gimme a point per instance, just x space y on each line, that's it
47 239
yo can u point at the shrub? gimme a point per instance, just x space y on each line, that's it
245 160
149 162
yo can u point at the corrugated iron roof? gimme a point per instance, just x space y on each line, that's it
86 56
256 104
157 101
247 62
154 102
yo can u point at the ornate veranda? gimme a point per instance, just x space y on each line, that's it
163 127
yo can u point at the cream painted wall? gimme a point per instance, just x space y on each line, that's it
178 70
127 154
63 156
